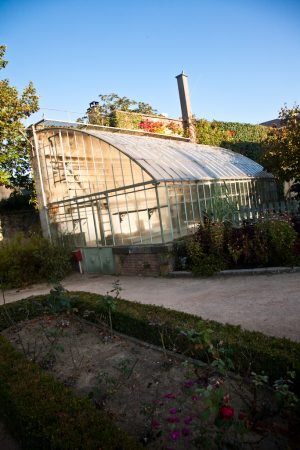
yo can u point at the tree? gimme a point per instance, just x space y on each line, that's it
282 148
14 146
112 102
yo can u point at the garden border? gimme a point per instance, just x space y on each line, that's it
22 402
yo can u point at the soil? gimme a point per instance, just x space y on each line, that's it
151 393
6 440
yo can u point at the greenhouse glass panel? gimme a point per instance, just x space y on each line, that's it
106 188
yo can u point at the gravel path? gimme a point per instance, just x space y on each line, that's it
266 303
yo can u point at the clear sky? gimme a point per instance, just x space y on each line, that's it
242 57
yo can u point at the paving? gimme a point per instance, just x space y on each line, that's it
267 303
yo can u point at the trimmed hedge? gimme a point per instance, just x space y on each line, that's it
249 350
43 414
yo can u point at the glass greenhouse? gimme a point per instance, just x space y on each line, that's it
109 187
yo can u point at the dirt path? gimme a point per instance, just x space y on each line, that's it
266 303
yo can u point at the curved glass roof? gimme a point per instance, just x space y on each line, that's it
167 159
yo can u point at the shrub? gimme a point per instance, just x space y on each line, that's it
202 263
278 237
205 250
269 242
25 260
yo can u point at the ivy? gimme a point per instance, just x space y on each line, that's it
243 138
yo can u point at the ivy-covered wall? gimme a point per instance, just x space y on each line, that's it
243 138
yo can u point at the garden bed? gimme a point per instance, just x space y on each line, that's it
161 399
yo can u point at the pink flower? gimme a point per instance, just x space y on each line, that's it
226 398
226 412
174 435
195 398
173 411
185 431
188 420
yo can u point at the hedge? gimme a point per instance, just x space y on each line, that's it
43 414
248 350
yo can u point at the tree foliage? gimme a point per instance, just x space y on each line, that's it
109 103
112 102
14 147
282 148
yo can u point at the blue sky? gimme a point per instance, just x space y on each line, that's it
242 57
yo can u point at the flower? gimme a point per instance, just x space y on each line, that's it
173 420
188 420
195 398
226 412
174 435
173 411
169 396
242 415
226 398
185 431
155 424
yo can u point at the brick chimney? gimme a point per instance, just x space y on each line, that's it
186 110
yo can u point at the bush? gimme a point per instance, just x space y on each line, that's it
279 238
25 260
269 242
201 263
205 250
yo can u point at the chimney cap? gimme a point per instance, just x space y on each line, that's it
182 74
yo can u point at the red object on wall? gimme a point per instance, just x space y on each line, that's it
77 255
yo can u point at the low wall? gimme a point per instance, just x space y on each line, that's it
146 260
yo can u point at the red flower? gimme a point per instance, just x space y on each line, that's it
226 412
155 424
173 419
242 415
185 431
169 396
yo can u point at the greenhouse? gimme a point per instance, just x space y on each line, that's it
108 187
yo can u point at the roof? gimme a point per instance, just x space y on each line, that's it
172 159
176 160
275 123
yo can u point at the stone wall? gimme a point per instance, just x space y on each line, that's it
14 222
148 260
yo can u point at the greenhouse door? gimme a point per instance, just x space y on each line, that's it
98 260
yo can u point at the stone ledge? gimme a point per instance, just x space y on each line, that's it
239 272
136 249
